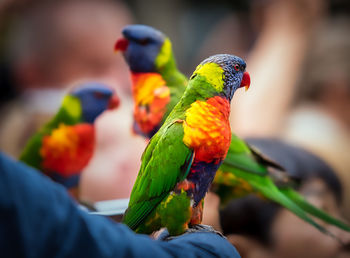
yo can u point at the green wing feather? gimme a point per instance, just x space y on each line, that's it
246 158
160 171
240 156
68 114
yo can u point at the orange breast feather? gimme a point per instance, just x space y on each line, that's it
151 96
207 129
68 149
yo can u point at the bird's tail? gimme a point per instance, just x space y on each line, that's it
271 192
310 209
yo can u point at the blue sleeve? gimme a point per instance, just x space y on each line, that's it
39 219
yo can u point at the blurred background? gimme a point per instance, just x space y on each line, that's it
297 53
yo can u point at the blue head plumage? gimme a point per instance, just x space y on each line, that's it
141 45
94 98
235 75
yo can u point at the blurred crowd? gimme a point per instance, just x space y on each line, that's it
298 55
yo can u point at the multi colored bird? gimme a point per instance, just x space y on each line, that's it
182 158
157 85
65 145
244 170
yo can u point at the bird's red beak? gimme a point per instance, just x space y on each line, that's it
245 81
114 102
121 45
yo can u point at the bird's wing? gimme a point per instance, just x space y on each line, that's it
240 156
275 171
249 159
165 162
30 154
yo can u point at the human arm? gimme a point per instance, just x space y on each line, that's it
39 219
275 64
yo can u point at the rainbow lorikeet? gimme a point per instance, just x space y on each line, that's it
182 158
157 85
65 145
244 170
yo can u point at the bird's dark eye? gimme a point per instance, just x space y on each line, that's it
99 95
236 67
144 41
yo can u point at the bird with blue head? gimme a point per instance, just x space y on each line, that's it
181 159
63 147
157 85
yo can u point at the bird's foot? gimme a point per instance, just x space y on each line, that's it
203 228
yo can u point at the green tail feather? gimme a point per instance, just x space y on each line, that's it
301 202
270 191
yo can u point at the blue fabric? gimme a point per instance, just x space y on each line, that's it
39 219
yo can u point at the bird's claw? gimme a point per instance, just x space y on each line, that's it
163 234
203 228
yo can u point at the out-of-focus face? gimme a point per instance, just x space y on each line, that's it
77 44
88 49
293 237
